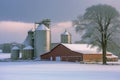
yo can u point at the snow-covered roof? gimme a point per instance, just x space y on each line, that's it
66 33
28 48
112 56
83 48
42 27
15 48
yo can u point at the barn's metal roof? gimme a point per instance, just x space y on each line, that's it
83 48
112 56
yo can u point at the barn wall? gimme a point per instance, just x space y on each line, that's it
93 57
64 53
71 58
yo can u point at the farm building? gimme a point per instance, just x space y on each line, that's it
37 46
76 52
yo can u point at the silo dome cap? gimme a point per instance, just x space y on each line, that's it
42 27
15 48
66 33
28 48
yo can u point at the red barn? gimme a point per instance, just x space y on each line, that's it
75 52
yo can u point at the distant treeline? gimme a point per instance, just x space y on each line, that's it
6 47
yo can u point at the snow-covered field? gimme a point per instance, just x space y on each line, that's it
52 70
4 55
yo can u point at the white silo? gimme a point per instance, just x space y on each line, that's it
66 37
15 52
41 40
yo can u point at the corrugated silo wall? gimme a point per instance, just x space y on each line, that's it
66 39
27 54
41 42
15 54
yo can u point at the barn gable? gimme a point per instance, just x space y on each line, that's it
63 52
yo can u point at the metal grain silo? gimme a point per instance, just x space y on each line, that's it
41 40
66 37
27 52
15 52
29 39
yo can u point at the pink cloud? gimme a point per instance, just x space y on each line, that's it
61 26
13 31
58 28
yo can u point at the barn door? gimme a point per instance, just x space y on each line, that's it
58 58
51 58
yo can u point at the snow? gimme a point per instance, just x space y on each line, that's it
50 70
82 48
113 56
28 48
66 33
42 27
28 40
15 48
4 55
56 70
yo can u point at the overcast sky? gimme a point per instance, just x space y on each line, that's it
18 16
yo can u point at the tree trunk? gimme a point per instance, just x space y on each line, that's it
104 46
104 55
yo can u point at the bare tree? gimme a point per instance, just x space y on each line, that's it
99 23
